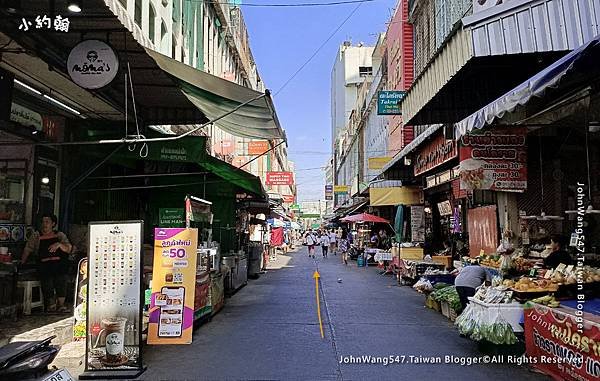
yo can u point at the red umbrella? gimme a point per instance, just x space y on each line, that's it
364 217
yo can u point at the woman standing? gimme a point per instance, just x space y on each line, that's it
311 241
52 248
344 246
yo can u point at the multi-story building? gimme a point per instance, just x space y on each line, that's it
212 37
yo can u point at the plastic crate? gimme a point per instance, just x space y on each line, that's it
448 311
511 312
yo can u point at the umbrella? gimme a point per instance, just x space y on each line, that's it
364 217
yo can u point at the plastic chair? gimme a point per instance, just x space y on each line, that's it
28 303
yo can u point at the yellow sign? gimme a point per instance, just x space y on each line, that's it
378 162
173 286
341 189
396 196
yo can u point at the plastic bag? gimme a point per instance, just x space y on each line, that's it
423 285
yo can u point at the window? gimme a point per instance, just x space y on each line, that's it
138 12
363 71
151 22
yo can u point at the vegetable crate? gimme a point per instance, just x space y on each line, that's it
448 312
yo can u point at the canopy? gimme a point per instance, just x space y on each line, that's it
364 217
575 69
234 175
216 96
392 196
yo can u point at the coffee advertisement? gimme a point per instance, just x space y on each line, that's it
114 302
173 286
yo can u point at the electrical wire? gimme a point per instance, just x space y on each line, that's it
318 49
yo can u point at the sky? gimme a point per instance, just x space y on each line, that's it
282 39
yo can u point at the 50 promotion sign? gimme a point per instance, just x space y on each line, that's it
173 286
561 344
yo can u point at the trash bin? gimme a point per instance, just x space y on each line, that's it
360 261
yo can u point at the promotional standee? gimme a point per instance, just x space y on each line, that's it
173 286
114 300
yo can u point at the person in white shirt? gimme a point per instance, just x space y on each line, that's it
332 242
324 243
311 241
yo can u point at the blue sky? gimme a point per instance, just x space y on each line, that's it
282 39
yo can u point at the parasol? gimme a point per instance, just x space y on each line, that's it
364 217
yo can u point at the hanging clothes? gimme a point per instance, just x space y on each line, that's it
277 237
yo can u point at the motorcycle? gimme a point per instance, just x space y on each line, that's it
29 360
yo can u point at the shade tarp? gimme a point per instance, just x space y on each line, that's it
395 196
576 68
234 175
365 217
215 96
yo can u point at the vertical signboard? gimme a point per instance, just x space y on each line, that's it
328 192
483 230
80 305
417 223
114 300
173 286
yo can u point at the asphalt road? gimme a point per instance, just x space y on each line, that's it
269 331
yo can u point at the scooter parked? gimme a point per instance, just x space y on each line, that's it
29 360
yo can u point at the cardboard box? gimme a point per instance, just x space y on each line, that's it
446 260
412 253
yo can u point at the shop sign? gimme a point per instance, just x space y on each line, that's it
173 286
437 152
26 117
59 23
378 162
482 5
224 147
171 217
257 147
341 189
328 196
562 345
114 298
441 178
417 223
388 102
494 160
445 208
288 198
92 64
280 178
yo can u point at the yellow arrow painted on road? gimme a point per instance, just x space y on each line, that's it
316 275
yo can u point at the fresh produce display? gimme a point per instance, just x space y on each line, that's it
490 261
526 284
522 265
493 295
547 300
588 275
448 295
470 323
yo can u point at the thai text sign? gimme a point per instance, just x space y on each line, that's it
562 344
378 162
173 286
437 152
494 160
280 178
258 147
388 102
337 189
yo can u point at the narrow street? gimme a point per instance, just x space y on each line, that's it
269 331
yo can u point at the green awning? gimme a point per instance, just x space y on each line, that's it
234 175
215 96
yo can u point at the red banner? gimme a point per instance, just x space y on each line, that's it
280 178
288 198
562 344
494 160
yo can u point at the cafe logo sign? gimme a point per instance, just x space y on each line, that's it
92 64
116 230
435 153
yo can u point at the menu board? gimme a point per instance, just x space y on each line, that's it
173 286
417 223
114 300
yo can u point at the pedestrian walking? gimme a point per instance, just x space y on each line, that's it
333 242
311 241
343 247
325 243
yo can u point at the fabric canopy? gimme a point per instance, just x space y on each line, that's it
234 175
364 217
216 96
395 196
562 74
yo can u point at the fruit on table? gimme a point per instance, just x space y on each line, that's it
547 300
534 285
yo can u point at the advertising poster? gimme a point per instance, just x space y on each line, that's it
280 178
173 286
114 299
561 348
495 160
80 307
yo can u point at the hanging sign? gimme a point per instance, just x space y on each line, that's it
378 162
563 343
257 147
171 217
26 117
341 189
388 102
288 198
114 300
173 286
328 192
436 153
92 64
494 160
280 178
